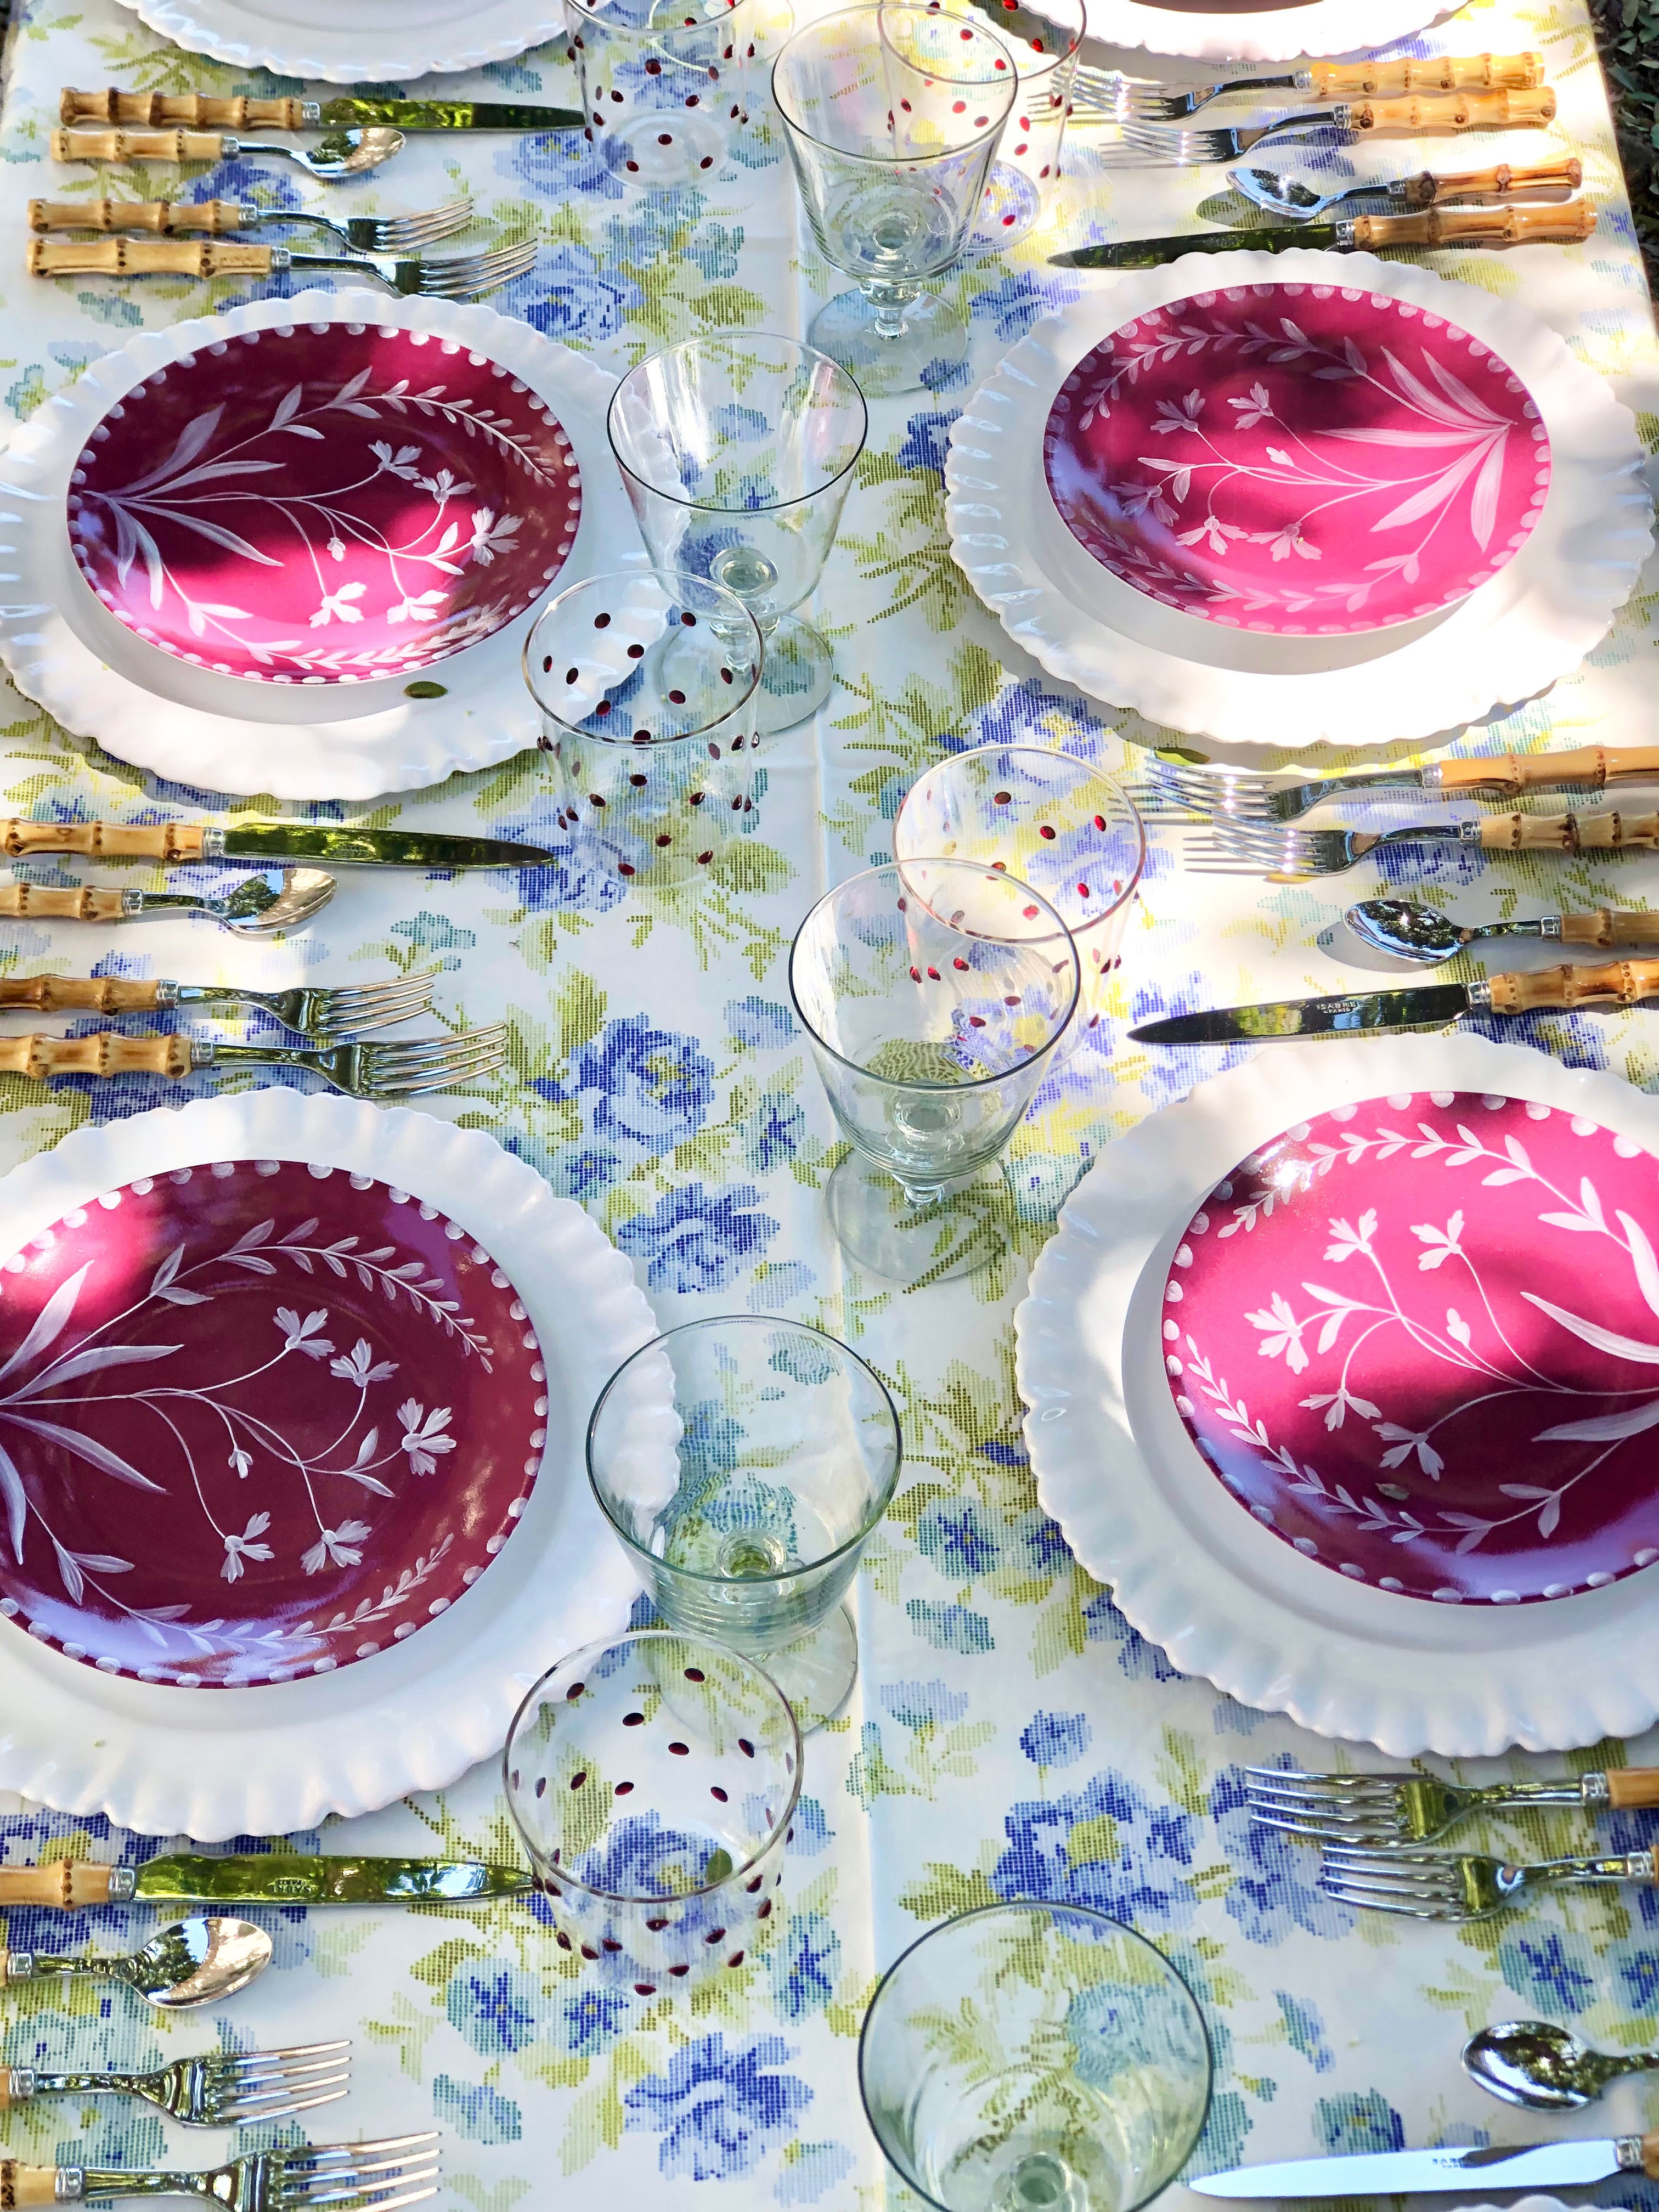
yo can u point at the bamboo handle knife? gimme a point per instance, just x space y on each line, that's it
1612 832
21 2184
104 840
1594 765
64 1883
201 110
1457 111
151 257
117 145
1331 80
1619 983
64 995
216 215
103 1053
1568 225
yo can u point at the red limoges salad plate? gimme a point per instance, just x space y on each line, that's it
1418 1339
1302 459
326 504
257 1419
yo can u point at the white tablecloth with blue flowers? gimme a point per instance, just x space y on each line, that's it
1012 1734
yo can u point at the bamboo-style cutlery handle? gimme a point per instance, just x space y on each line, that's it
103 1053
1619 983
145 257
116 145
1594 765
64 1883
1457 111
202 111
81 994
1331 80
104 841
216 215
1507 181
61 902
1475 226
1631 1786
22 2184
1568 833
1604 927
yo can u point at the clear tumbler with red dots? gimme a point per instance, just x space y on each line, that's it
1059 825
653 1777
1043 40
935 996
665 84
647 684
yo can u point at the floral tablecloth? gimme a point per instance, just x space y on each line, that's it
1012 1734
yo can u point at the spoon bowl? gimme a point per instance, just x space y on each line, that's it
1292 200
1542 2067
196 1962
343 153
1407 930
255 909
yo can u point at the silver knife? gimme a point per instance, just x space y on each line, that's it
199 111
273 1878
1430 1007
1411 2173
264 841
1566 225
442 114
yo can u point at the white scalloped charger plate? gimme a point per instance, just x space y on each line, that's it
216 1763
354 41
1222 1595
1531 624
69 654
1323 29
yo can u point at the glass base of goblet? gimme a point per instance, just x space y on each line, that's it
877 1224
816 1675
932 335
797 677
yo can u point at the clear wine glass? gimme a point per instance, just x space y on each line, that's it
891 115
935 998
1054 822
743 1463
1043 38
738 452
664 83
1035 2057
653 1777
646 686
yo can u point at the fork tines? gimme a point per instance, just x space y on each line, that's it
347 1006
1181 149
1423 1885
368 2177
1236 793
396 233
433 1063
1355 1808
1139 99
1238 848
269 2085
458 273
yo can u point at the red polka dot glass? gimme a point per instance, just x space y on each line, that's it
664 82
654 1780
1044 41
935 997
647 685
1055 822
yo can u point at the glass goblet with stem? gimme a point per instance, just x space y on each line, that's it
1035 2057
737 453
891 114
1055 822
743 1463
646 686
935 997
653 1778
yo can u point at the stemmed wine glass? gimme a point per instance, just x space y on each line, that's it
934 996
891 114
738 452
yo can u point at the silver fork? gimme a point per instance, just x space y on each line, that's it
1463 1885
366 2177
455 277
367 1071
324 1013
1132 99
223 2089
364 233
1177 786
1379 1810
1187 150
1237 849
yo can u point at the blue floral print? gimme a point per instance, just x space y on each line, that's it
496 2007
697 1239
641 1087
761 1023
1108 1845
721 2107
1056 1739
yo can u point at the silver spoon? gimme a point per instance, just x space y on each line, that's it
341 153
1545 2068
1425 934
1290 197
193 1962
252 909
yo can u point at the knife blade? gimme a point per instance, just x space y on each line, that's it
1154 252
1413 2172
276 1878
448 114
1617 983
339 845
1567 224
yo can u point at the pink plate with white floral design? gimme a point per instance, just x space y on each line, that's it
257 1421
324 505
1417 1339
1303 460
